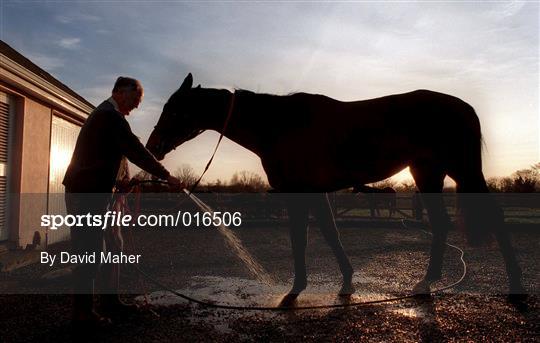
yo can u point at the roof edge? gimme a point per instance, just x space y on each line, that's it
47 89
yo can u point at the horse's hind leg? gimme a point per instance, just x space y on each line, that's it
512 267
298 212
429 182
483 214
323 212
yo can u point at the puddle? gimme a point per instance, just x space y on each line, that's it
226 291
244 292
410 312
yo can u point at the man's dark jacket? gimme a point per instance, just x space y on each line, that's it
104 138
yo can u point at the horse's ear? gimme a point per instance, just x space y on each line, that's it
187 84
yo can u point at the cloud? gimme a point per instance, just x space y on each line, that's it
485 54
64 19
96 94
45 62
76 17
70 43
506 9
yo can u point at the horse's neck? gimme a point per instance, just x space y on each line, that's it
242 126
250 120
216 103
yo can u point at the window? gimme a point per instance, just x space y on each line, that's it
7 107
63 138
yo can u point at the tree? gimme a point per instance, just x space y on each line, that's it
142 175
246 181
383 184
525 180
493 184
406 187
521 181
506 184
218 186
186 174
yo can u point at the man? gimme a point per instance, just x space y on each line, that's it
103 141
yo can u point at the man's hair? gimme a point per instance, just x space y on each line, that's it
125 83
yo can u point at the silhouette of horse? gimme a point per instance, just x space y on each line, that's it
379 197
311 144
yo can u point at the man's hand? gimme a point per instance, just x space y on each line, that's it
124 185
175 182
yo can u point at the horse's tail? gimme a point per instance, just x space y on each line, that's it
479 213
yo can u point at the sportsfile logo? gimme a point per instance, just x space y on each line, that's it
110 218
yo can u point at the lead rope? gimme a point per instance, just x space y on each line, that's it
227 119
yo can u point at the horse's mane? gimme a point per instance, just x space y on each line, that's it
293 97
252 97
241 91
248 92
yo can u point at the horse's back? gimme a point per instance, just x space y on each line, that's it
336 143
412 111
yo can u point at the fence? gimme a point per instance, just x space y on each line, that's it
518 208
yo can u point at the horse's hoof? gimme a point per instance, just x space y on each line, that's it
346 290
517 288
298 287
422 288
289 300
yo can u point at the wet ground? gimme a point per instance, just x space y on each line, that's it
388 262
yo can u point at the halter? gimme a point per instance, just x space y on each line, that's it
227 119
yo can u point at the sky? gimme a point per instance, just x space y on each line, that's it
486 53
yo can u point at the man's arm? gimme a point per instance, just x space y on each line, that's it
135 151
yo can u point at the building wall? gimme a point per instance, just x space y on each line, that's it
34 170
38 96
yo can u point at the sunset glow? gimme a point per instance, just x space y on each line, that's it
485 53
59 162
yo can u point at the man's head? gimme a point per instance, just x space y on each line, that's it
127 93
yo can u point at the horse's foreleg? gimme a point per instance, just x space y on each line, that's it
440 225
325 218
431 182
298 219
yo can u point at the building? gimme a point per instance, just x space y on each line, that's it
40 119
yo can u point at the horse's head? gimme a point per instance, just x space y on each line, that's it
178 122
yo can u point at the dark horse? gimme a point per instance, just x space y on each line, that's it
312 144
376 197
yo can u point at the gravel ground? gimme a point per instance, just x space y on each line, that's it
197 262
